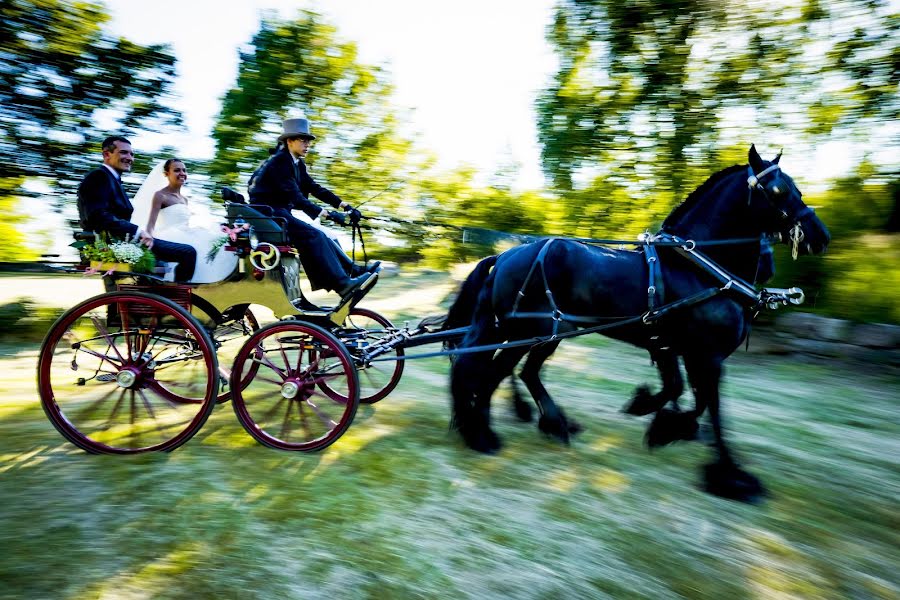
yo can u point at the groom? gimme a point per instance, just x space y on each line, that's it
103 205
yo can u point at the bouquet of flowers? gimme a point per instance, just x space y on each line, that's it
231 234
128 252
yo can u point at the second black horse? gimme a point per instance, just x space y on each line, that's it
558 286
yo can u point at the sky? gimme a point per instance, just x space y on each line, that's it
468 71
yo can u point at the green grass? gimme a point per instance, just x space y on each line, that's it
398 508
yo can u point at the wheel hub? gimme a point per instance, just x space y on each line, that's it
290 389
126 378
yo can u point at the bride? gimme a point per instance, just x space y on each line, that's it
162 211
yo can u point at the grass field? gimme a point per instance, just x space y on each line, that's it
398 508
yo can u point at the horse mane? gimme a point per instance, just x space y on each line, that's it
679 211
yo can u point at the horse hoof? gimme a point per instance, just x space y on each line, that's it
670 426
556 428
486 442
522 410
642 403
493 441
729 481
574 427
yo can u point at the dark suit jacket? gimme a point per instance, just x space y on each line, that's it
278 183
103 204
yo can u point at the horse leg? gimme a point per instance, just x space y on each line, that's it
472 380
521 409
553 421
471 408
723 477
643 402
503 364
485 439
669 424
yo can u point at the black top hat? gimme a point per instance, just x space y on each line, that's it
296 128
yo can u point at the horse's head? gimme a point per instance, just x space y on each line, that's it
780 206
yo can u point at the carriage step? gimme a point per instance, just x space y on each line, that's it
106 377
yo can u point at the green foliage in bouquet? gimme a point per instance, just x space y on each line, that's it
216 247
128 252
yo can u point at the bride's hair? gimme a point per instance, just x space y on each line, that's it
169 162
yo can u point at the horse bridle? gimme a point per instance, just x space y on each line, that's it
795 233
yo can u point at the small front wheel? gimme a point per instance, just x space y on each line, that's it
362 331
283 405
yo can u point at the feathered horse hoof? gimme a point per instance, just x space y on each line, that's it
727 480
670 426
481 439
561 428
643 403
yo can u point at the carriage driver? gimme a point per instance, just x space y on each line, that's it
283 183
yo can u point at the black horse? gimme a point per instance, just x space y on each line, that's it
678 297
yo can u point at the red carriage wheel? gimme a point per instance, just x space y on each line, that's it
127 372
363 329
283 405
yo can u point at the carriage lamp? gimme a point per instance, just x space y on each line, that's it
253 238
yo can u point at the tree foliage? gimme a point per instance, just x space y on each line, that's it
646 92
65 84
300 67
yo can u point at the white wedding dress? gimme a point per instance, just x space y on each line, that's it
178 223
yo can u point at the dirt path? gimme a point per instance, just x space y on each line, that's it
49 290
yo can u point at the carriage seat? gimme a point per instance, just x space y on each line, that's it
267 228
232 195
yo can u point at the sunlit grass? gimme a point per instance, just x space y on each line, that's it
398 508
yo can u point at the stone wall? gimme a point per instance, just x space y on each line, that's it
794 332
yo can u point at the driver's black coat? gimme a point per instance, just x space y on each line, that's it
280 183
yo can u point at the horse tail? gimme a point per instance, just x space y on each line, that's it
470 415
463 308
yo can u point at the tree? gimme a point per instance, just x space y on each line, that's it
300 67
65 84
647 94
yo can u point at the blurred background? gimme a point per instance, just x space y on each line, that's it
564 117
589 118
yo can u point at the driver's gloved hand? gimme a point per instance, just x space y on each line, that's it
354 214
336 216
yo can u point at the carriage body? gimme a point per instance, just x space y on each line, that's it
141 367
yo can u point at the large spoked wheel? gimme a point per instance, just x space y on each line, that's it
361 331
228 338
283 405
127 372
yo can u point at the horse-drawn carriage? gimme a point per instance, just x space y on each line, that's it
141 367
